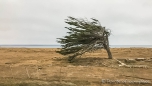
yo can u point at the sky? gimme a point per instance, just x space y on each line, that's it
42 21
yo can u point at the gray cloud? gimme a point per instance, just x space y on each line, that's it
42 21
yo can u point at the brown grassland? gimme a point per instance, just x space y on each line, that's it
45 67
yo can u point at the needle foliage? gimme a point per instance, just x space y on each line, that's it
84 36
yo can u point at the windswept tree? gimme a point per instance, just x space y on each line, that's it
84 36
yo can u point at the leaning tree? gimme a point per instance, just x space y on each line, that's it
84 36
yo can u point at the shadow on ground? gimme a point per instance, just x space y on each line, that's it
86 61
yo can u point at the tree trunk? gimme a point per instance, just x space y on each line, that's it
109 52
106 45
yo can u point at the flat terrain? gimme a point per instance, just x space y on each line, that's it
45 67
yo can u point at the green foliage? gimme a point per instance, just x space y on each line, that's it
83 36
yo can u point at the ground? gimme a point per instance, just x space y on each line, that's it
45 67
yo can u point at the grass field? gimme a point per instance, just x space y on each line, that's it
45 67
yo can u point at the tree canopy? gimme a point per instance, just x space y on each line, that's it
84 36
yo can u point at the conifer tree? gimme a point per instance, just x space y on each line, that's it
84 36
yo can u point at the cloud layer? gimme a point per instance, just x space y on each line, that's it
42 21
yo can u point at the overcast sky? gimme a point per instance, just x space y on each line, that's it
42 21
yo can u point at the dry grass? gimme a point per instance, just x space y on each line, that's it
44 67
